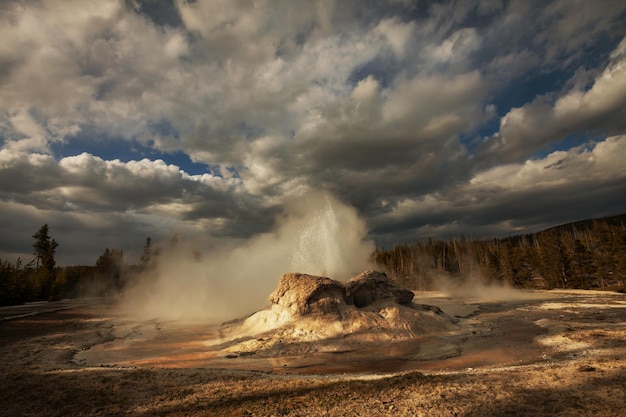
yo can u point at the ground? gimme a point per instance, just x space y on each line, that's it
534 353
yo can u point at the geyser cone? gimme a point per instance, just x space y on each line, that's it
313 314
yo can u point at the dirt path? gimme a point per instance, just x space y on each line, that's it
558 354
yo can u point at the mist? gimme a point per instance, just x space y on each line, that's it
476 288
315 234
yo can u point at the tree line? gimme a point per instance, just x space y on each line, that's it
587 254
41 279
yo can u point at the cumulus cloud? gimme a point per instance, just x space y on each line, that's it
94 194
519 197
598 163
525 130
394 106
397 34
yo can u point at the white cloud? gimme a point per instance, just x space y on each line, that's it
602 162
77 64
91 183
416 102
34 135
397 33
525 130
456 49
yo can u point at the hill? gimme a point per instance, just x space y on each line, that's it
616 220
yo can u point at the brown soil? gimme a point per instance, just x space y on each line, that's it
544 353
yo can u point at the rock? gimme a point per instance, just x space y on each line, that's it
303 294
371 286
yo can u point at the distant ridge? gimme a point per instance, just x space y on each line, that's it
582 225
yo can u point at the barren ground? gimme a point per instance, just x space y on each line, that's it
542 353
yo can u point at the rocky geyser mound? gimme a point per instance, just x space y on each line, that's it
313 313
302 294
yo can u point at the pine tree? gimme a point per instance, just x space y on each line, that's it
146 256
582 265
45 248
110 269
555 266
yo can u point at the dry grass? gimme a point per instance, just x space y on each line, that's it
557 390
38 379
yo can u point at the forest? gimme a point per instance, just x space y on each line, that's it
41 279
587 254
582 255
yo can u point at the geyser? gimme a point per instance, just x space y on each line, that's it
328 237
317 314
315 234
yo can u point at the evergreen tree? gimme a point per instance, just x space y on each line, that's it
578 255
147 255
582 265
110 269
44 274
45 248
13 282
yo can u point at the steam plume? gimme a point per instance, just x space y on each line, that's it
316 234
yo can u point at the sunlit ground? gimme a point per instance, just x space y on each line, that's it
543 353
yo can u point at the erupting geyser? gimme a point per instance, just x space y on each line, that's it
316 234
317 314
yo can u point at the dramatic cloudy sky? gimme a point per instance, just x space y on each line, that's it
121 120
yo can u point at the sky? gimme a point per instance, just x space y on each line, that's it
121 120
